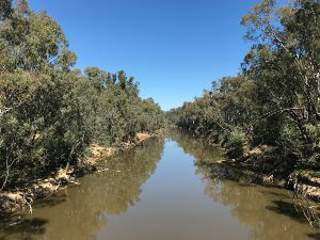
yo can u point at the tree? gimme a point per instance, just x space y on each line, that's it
275 99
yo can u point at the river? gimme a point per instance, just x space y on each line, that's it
157 191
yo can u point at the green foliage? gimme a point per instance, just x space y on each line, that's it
50 112
115 113
219 111
235 144
5 9
39 125
275 99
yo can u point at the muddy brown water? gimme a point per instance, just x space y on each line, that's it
157 192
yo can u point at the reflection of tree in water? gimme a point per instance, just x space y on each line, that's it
83 210
268 212
197 147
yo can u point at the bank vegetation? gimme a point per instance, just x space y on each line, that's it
268 116
51 113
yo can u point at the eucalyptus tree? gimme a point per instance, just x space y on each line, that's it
275 100
50 111
284 63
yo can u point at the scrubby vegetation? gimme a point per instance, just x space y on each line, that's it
50 111
268 115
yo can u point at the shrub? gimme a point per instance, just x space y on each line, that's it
235 144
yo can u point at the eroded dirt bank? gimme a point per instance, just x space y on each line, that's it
20 200
256 167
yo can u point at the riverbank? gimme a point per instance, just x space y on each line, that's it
20 199
257 167
260 165
155 185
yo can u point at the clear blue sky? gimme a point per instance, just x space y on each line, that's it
174 48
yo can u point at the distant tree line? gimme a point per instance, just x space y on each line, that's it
275 100
50 111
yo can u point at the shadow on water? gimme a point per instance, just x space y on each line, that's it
283 194
268 212
52 201
78 212
314 236
287 209
26 228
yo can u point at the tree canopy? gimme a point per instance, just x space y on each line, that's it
275 99
49 110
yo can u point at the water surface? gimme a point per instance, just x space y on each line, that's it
157 192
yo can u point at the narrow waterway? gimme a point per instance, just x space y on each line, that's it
156 191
